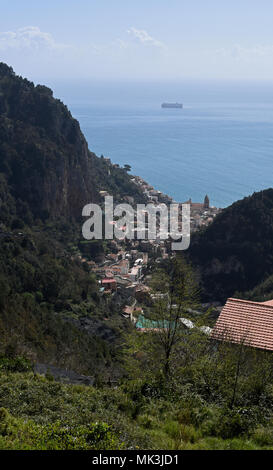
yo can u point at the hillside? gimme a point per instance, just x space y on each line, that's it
38 413
57 321
50 307
235 253
46 168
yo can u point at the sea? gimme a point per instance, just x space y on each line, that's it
220 143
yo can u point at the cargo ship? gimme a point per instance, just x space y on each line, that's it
172 105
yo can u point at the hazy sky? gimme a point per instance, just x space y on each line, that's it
138 39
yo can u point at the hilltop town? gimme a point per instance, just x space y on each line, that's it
125 268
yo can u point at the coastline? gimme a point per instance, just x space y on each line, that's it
202 214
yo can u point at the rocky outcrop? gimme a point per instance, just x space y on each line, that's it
63 375
44 155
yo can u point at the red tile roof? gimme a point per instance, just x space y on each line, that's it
247 322
269 302
108 281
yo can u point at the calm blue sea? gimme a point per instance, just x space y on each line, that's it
221 143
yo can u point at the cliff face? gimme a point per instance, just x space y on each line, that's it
50 304
44 156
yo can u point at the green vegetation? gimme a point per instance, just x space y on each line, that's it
262 292
220 391
50 306
168 388
191 411
17 434
175 292
235 252
191 393
46 169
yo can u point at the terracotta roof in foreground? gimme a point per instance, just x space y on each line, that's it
246 321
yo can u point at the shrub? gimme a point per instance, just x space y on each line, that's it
184 416
263 436
230 423
97 436
15 364
15 433
172 428
188 433
146 421
181 432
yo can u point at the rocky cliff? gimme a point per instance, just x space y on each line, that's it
50 305
44 158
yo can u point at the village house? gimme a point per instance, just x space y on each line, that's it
109 284
142 293
104 193
199 206
246 322
112 257
120 268
130 311
121 254
135 273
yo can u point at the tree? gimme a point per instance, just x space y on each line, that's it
159 346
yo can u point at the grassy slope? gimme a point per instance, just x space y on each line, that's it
45 415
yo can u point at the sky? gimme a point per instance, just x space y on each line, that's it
138 40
